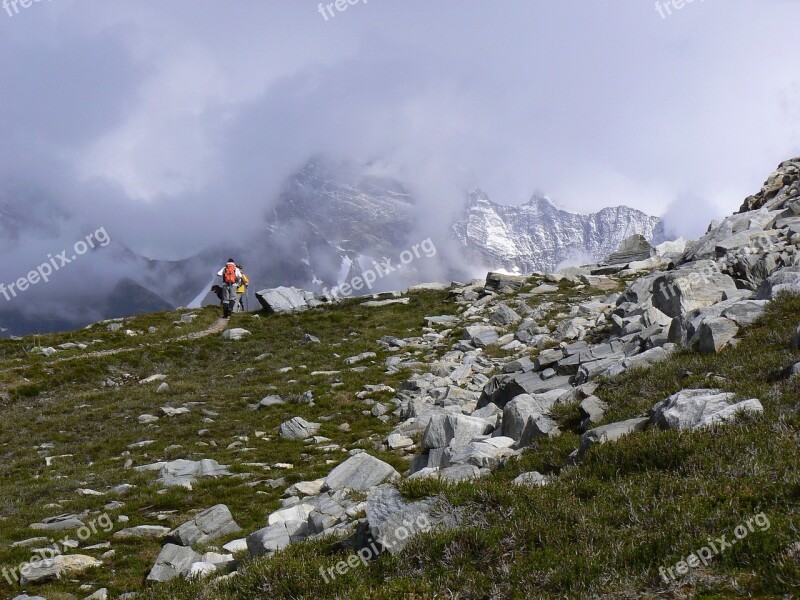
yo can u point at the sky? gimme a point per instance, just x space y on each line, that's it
175 124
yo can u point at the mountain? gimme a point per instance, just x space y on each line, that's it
331 222
538 236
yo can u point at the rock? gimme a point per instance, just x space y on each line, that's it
397 441
482 454
359 473
310 339
282 300
298 429
499 281
504 316
534 478
500 390
481 335
173 561
634 248
306 488
63 565
101 594
745 313
544 288
234 335
692 409
443 321
267 402
714 334
267 541
151 532
785 280
147 419
394 522
59 523
517 413
153 379
611 433
795 345
213 523
680 292
164 387
236 546
459 473
174 412
453 430
592 410
538 426
183 473
381 303
354 360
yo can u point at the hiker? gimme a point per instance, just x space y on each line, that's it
241 290
231 278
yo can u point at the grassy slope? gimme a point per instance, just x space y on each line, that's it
606 526
603 527
65 405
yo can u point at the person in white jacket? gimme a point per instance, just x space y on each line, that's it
231 279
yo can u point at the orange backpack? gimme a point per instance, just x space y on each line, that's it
230 274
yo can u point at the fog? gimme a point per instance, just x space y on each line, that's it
174 125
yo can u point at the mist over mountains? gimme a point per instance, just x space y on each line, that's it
332 221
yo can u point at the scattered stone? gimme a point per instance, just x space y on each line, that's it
693 409
152 532
209 525
234 335
173 561
359 473
63 565
298 429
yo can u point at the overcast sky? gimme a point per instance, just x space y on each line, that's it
156 119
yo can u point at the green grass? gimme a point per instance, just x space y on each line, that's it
605 527
602 528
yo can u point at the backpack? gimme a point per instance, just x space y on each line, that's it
229 276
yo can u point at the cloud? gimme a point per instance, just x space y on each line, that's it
175 125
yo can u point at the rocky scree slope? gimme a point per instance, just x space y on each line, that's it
517 376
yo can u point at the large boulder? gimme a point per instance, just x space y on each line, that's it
679 292
173 561
216 522
453 430
282 300
692 409
394 522
522 408
267 541
785 280
714 334
359 473
500 282
634 248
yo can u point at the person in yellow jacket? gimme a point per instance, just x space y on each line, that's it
244 283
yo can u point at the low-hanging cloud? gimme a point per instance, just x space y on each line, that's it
175 125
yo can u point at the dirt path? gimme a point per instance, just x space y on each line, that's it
217 326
